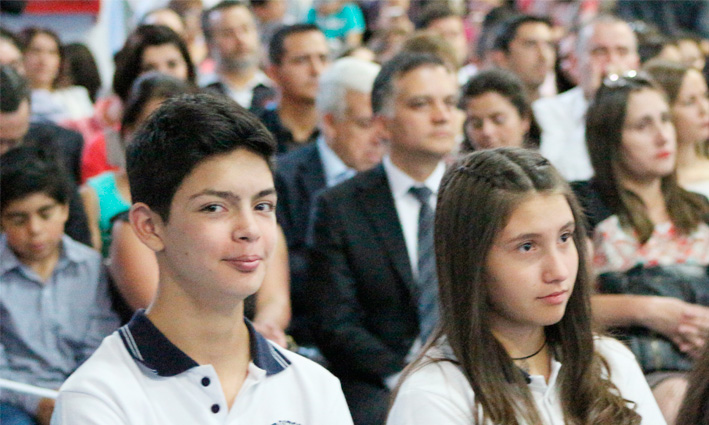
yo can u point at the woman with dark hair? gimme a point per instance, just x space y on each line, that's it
80 69
148 48
152 48
646 231
498 112
689 104
514 344
43 60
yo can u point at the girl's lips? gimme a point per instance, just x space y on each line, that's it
664 154
555 298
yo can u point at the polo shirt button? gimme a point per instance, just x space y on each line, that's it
205 382
215 408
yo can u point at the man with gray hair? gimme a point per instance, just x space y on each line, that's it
347 144
606 45
233 40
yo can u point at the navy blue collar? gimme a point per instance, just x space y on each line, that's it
147 345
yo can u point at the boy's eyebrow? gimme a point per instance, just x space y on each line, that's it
231 196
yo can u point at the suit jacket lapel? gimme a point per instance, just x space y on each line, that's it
378 203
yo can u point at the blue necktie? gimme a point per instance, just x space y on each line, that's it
427 282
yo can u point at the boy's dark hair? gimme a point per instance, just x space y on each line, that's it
27 170
505 83
434 12
181 134
276 48
13 89
400 64
206 26
508 30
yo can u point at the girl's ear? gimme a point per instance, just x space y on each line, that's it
148 226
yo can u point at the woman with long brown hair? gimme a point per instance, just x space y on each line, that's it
515 345
646 230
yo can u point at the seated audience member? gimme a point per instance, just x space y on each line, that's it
80 69
148 48
372 269
64 145
54 295
11 51
209 216
689 104
233 39
347 144
444 21
108 194
514 291
690 51
298 54
647 230
43 55
341 21
428 42
695 408
191 13
270 16
497 112
525 46
605 45
166 17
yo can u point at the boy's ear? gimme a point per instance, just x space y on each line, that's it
148 226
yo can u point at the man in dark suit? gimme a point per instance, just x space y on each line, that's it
372 275
347 144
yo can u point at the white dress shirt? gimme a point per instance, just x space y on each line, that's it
407 206
562 119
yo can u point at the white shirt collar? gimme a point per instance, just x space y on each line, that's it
335 169
400 182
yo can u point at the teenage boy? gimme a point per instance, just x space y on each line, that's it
55 305
204 201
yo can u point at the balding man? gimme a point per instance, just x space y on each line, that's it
606 45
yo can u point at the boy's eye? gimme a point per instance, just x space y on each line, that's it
265 206
212 208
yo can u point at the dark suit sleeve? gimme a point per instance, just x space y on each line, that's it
342 335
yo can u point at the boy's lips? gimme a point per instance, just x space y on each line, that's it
245 263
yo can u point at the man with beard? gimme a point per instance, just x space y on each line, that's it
233 40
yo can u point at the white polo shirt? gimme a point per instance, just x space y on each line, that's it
137 376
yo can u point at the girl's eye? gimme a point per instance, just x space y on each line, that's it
526 247
566 237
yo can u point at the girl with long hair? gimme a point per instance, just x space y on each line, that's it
515 344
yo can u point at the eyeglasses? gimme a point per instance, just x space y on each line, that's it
629 78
